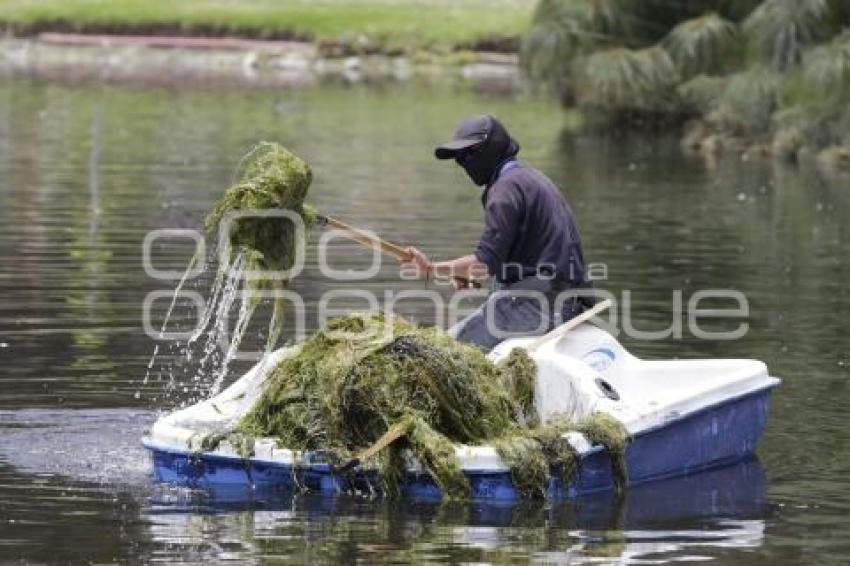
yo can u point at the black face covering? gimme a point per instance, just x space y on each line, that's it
481 161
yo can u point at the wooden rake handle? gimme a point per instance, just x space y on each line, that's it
373 242
366 239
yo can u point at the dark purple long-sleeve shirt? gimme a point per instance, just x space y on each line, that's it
529 228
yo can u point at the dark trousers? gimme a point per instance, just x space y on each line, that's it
525 309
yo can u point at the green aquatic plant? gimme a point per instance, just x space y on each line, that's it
534 455
351 381
434 451
271 179
604 429
346 386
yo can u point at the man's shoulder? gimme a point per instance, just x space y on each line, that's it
524 177
519 184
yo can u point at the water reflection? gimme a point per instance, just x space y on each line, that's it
89 251
672 519
78 463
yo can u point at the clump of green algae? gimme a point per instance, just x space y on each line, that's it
351 382
272 179
364 374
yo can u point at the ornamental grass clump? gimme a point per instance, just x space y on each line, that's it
345 387
754 77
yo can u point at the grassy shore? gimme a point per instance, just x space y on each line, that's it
379 25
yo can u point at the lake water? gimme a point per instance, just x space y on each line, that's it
87 170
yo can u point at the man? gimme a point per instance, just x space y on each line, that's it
531 245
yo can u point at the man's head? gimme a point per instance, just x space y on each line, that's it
480 145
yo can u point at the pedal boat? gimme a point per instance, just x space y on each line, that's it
683 416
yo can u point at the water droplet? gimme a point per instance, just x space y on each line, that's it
137 394
742 197
4 344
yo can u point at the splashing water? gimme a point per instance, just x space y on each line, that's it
246 310
170 310
270 179
228 279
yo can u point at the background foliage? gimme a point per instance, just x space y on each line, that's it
771 72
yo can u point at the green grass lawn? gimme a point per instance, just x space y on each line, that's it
388 24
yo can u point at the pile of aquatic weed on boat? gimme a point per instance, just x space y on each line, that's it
365 374
265 220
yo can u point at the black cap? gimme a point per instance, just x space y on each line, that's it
471 132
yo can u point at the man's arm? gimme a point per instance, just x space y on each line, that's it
503 214
467 268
